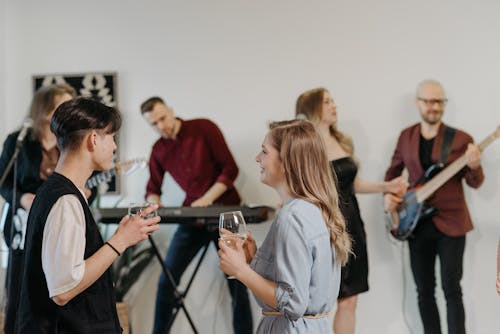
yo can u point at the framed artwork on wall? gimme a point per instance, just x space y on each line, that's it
99 85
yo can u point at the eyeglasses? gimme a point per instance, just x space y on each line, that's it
431 102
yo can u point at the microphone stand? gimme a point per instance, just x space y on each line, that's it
28 123
14 267
12 161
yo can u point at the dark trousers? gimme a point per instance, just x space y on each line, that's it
186 243
429 242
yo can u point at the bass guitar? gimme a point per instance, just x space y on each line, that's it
20 219
414 208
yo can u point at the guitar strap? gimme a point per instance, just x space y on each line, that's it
449 134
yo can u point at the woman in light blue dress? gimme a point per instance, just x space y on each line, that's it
295 274
317 106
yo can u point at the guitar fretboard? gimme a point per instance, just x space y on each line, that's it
437 181
100 178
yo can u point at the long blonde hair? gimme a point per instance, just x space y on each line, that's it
309 177
43 103
309 105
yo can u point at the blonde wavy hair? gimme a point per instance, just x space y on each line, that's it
309 177
309 105
43 104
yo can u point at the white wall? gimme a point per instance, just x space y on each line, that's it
3 13
244 63
3 65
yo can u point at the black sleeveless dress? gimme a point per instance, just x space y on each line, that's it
355 274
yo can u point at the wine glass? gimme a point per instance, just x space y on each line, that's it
231 228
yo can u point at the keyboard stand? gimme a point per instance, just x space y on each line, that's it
208 216
178 295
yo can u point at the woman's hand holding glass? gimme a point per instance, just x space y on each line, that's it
250 247
233 259
136 227
232 227
237 247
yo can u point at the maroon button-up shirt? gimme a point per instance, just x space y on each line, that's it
196 159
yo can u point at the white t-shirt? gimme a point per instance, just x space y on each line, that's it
63 245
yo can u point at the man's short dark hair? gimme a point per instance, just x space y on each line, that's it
149 104
73 118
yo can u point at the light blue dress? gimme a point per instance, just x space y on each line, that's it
297 255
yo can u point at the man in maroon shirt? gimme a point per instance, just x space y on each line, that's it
196 155
443 235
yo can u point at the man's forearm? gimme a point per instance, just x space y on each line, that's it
215 191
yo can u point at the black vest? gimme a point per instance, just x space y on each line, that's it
93 310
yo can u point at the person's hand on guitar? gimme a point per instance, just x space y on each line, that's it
473 155
397 186
391 202
394 190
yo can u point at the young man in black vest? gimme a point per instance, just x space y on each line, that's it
66 285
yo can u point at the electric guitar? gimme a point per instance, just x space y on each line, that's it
125 168
20 219
403 221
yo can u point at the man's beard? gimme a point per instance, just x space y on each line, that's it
432 119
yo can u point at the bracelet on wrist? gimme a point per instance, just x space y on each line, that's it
113 248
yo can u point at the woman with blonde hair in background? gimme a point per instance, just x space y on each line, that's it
317 106
38 155
295 274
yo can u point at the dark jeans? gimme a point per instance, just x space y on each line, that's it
186 243
429 242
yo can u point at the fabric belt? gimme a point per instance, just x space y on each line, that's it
307 316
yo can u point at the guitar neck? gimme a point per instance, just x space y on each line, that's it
96 180
437 181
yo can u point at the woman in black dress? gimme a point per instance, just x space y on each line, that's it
317 106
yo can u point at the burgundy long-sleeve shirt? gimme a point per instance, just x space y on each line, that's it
196 159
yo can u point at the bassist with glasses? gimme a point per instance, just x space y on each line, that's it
441 234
